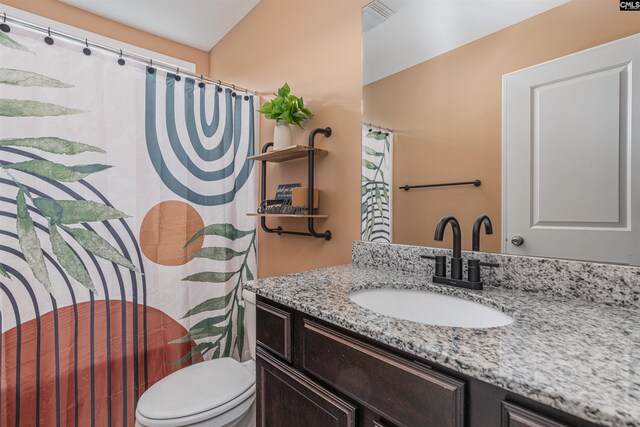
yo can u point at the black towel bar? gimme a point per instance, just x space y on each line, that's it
475 183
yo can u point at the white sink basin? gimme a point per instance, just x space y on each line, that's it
430 308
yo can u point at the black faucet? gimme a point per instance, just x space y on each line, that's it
473 274
456 261
488 229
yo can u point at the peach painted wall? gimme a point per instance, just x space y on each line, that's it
79 18
314 45
447 114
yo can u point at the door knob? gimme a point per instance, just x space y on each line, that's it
517 240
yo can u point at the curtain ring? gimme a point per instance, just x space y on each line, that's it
121 59
86 50
233 94
201 84
177 77
48 39
4 26
150 68
246 94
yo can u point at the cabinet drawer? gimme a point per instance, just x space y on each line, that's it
288 398
274 330
516 416
406 393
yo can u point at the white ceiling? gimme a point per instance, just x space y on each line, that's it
423 29
197 23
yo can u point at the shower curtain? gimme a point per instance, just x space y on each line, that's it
377 179
124 238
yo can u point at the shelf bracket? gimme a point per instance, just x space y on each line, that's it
310 183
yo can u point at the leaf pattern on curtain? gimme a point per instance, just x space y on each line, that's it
219 330
57 212
376 185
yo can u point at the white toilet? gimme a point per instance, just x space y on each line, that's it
215 393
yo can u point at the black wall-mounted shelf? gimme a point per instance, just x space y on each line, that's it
291 153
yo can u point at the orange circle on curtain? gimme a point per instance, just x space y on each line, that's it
166 228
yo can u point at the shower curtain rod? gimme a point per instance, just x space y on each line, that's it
121 53
377 126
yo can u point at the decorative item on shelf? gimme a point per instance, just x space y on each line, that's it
286 110
282 199
285 191
286 210
300 199
266 204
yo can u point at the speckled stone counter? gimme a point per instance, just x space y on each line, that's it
578 356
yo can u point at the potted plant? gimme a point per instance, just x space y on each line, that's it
286 110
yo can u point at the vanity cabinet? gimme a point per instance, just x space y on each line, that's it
312 374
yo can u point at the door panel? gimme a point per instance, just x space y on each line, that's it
569 168
570 192
404 392
287 398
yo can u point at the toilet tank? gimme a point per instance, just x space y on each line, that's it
250 320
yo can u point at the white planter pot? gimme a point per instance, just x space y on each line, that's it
281 136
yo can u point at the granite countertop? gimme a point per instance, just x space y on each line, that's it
577 356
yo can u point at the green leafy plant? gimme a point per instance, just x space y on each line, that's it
218 329
60 214
286 107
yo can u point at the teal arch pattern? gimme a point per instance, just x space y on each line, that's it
229 142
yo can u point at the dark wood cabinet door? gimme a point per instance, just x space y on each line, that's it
516 416
404 392
287 398
274 332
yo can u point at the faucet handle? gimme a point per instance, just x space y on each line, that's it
441 264
473 270
489 264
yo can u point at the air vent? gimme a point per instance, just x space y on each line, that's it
374 14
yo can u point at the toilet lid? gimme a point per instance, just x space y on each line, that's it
196 389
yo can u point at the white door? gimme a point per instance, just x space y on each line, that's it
571 156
